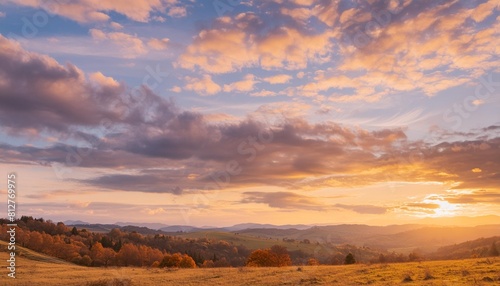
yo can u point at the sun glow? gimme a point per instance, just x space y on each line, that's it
445 208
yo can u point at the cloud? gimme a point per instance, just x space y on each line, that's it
85 11
283 200
303 2
155 211
116 26
130 45
236 43
371 50
263 93
164 182
102 211
482 11
146 132
290 200
397 53
202 86
177 12
158 44
245 85
423 205
278 79
217 51
176 89
36 93
363 209
2 14
479 196
103 80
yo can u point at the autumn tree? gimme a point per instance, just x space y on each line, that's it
277 256
129 255
96 254
312 261
177 260
86 261
208 264
280 256
187 262
107 256
35 241
260 258
61 228
171 260
149 255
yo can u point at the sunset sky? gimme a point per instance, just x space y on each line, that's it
267 111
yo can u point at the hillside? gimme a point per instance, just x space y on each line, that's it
476 248
460 272
32 255
402 238
399 238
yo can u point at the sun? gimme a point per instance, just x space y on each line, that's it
445 208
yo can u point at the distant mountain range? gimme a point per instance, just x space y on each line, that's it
400 238
444 221
188 228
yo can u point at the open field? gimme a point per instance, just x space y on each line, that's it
36 269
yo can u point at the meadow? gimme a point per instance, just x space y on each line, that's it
37 269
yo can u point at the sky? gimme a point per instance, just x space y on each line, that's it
214 113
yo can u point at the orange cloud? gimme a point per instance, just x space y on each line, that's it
131 46
202 86
158 44
245 85
234 46
85 11
278 79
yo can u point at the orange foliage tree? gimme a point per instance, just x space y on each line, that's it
129 255
276 256
177 260
312 261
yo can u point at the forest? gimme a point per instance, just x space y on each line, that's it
131 248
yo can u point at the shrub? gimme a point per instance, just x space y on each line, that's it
208 264
312 261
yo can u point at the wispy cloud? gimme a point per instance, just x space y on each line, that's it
289 200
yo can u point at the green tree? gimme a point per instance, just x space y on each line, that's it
349 259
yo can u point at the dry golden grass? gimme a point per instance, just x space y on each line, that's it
459 272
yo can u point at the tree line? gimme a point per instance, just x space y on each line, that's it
130 248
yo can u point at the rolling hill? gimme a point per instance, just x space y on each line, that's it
38 269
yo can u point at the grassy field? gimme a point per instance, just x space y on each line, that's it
36 269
